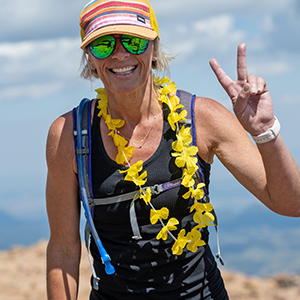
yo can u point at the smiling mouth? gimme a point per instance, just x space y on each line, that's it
123 71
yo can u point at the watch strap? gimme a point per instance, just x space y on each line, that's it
268 135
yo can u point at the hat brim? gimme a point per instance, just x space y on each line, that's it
142 32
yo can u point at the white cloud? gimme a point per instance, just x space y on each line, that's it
199 37
218 29
267 24
291 99
217 26
270 68
204 7
35 19
32 91
33 66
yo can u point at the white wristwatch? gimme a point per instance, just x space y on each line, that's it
269 135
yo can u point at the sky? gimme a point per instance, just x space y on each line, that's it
39 78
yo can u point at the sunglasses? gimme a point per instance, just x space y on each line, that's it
104 46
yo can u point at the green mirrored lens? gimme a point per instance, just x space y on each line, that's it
134 45
103 46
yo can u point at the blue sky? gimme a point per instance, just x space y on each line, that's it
40 58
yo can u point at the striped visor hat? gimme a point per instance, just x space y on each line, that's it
102 17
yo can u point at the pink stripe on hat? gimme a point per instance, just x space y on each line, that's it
110 20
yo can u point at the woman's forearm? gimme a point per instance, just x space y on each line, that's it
62 273
283 177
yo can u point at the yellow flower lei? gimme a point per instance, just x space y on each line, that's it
185 158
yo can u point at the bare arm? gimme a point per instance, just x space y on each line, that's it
64 248
268 171
261 171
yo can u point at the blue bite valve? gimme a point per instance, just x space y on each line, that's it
109 268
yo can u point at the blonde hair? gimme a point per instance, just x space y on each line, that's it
160 65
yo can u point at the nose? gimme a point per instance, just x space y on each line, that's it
120 52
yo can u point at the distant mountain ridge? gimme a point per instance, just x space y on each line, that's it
254 241
14 231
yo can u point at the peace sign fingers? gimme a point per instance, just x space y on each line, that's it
231 87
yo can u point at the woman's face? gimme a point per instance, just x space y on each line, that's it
123 72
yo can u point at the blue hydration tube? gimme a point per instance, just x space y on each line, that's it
109 269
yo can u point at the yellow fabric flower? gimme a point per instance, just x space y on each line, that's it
123 154
119 141
101 94
189 194
174 118
204 219
178 145
146 196
180 243
112 124
202 207
187 177
184 139
172 102
102 106
136 168
164 99
169 89
160 81
186 157
171 225
139 180
155 215
133 174
202 216
185 135
194 240
199 192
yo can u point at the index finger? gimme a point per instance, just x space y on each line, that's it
222 77
242 63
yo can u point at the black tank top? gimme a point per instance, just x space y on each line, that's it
146 268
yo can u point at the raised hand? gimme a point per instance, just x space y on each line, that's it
251 100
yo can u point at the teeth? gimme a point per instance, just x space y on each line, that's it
123 70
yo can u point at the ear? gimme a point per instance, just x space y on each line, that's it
154 58
91 63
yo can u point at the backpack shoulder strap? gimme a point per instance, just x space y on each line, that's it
188 100
82 137
82 118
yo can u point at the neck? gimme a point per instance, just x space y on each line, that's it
135 106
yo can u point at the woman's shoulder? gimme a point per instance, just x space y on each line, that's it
211 113
208 104
215 126
61 128
60 140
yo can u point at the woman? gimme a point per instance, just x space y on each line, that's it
138 141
